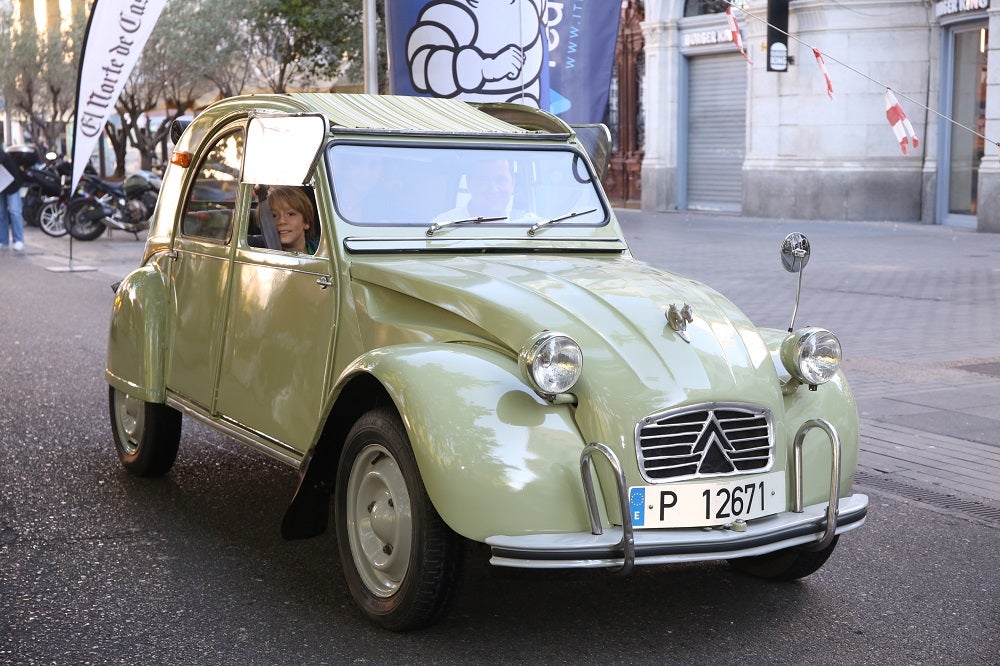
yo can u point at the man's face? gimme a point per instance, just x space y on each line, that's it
491 185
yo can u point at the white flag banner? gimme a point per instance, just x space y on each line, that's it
117 30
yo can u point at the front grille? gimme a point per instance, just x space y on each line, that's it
704 440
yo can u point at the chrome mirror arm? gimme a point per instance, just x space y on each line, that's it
795 253
795 309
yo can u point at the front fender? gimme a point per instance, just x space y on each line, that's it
137 336
833 402
494 457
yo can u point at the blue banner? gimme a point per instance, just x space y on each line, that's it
553 55
581 36
475 50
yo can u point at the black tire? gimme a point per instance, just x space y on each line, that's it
51 218
789 564
146 434
83 219
401 561
31 204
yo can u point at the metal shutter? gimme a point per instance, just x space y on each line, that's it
717 93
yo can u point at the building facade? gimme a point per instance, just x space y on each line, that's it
723 134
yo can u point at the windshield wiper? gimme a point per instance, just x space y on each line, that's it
535 227
469 220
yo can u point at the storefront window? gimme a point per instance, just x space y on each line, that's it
969 110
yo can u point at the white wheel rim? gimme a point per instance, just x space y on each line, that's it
51 220
379 520
130 421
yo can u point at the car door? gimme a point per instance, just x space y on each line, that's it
278 340
201 251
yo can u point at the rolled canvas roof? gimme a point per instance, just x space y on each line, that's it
396 113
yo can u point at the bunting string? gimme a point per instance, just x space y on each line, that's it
820 56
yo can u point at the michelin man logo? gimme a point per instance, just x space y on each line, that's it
478 50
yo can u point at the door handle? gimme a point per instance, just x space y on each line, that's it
324 281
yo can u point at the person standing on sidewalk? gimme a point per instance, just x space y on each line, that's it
11 218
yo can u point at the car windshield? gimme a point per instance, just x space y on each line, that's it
444 186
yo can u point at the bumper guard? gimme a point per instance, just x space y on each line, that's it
811 527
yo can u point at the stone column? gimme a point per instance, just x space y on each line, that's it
815 158
659 102
988 211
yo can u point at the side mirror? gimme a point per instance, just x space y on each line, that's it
795 253
177 128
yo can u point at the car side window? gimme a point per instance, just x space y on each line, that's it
208 210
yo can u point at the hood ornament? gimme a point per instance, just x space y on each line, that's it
679 318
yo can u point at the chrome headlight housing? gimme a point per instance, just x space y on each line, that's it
551 363
811 355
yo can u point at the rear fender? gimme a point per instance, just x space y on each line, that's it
137 338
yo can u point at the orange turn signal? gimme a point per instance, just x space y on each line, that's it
180 158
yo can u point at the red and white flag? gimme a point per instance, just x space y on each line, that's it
826 74
901 127
735 29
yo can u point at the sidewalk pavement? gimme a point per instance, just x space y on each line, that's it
916 307
109 258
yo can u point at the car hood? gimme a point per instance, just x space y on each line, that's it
615 307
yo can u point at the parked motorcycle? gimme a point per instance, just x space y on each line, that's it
111 206
42 180
52 215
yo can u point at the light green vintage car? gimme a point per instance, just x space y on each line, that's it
465 349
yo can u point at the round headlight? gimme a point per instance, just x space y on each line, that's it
551 363
812 355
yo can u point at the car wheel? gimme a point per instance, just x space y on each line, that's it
146 433
401 561
789 564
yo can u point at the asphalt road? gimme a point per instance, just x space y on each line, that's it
99 567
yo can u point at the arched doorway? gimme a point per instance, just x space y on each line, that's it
623 182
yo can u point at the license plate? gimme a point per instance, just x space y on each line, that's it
707 504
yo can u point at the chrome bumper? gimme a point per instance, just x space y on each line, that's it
811 527
583 550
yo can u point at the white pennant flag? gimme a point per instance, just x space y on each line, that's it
734 28
901 126
826 74
116 33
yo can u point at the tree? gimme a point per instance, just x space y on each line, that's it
170 76
226 26
296 42
38 75
196 47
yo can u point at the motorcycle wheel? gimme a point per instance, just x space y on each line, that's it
50 218
84 219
